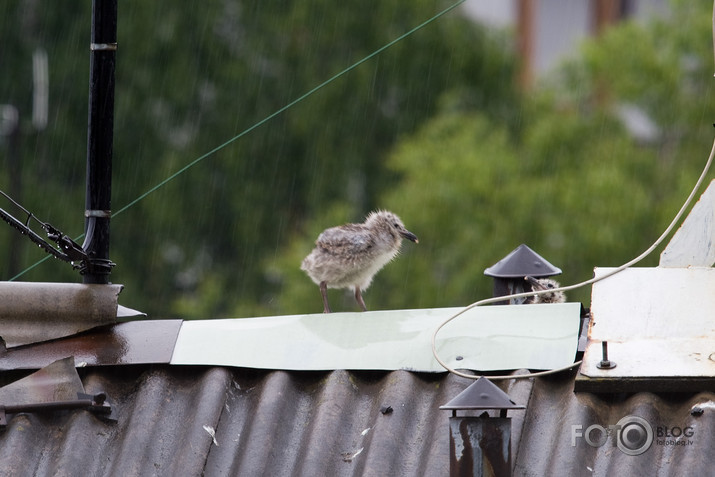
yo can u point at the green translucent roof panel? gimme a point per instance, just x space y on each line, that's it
487 338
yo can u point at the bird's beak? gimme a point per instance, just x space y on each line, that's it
409 236
535 285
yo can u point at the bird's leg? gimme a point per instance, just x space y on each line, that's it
324 293
358 297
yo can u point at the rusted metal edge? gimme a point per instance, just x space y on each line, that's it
135 342
55 387
684 384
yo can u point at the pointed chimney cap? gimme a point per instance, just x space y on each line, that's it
483 394
522 262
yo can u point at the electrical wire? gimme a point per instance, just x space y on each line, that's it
265 120
608 274
291 104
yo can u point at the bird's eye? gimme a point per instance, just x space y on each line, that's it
397 226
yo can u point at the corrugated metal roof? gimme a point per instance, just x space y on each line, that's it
337 423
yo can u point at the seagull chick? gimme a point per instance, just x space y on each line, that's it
349 256
538 284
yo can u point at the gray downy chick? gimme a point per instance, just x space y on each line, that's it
349 256
538 284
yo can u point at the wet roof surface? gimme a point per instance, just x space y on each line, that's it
133 342
175 420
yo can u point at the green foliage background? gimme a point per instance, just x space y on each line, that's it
432 129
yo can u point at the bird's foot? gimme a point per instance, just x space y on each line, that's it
324 294
358 298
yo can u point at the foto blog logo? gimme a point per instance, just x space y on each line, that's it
633 435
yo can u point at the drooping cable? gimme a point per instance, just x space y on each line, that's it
610 273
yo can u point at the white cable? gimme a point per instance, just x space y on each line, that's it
640 257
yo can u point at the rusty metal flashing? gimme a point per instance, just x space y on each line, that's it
56 387
56 382
137 342
36 312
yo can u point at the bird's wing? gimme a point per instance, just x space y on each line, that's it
351 238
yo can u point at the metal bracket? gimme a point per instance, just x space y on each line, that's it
69 250
97 404
72 249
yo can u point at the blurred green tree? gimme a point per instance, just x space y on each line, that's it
190 78
432 129
573 180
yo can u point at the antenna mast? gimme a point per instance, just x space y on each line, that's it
103 48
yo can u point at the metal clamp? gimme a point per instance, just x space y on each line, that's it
103 214
103 46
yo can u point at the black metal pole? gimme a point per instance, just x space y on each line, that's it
100 141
